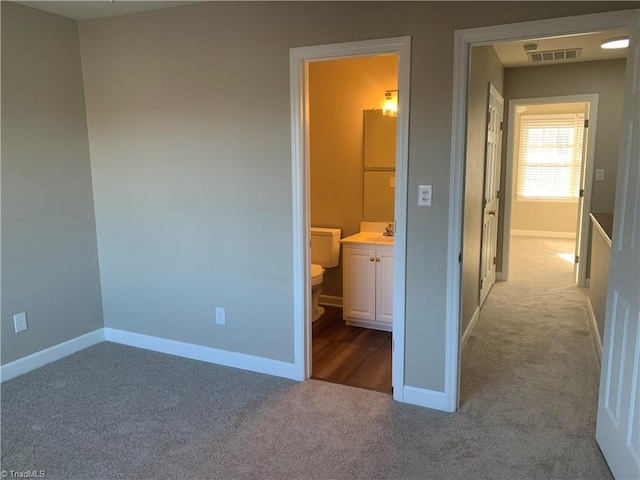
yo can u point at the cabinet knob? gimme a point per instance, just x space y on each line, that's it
371 259
377 259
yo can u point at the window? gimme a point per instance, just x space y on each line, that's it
550 157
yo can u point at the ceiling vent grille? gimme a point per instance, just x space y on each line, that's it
554 55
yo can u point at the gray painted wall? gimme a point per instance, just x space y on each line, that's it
49 251
190 128
605 78
485 68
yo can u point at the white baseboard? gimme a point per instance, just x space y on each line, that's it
51 354
172 347
470 327
412 395
425 398
330 300
204 354
543 233
594 328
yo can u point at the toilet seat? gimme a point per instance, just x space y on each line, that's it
316 274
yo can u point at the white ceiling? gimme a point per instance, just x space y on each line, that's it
511 54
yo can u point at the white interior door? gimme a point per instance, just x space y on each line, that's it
491 202
618 427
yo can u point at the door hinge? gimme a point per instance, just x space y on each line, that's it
586 123
494 260
581 192
460 258
501 125
488 118
393 345
577 259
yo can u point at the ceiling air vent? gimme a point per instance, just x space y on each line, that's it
554 55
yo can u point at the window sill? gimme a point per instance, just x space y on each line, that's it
546 200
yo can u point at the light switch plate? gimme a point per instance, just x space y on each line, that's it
599 174
424 195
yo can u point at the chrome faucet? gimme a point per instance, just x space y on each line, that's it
388 232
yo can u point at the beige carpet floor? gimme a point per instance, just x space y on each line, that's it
531 364
529 392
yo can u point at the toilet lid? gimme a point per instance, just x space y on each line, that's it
316 270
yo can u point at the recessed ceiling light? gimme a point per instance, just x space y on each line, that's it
620 42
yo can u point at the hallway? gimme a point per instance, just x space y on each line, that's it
530 364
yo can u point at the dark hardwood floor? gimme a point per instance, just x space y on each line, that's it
359 357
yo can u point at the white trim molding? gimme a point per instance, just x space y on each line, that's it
463 41
172 347
330 300
299 60
202 353
594 329
425 398
470 327
51 354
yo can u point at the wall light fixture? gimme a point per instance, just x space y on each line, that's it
390 105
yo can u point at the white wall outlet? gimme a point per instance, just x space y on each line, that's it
220 320
599 174
424 195
20 321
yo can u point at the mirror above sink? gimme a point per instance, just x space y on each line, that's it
379 146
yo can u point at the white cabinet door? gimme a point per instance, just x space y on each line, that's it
384 286
359 283
368 286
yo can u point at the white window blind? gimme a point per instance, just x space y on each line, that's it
550 156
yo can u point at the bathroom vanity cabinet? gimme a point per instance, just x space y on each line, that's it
368 285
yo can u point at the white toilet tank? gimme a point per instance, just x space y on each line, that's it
325 246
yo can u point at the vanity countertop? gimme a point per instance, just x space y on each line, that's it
368 238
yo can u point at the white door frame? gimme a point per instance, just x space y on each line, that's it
584 222
299 59
463 40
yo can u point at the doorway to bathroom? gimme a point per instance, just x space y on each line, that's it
352 180
324 196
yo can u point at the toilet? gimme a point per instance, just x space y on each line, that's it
325 253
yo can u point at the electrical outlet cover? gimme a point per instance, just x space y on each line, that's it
220 316
20 322
424 195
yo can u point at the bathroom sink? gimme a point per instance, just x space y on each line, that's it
368 237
